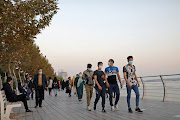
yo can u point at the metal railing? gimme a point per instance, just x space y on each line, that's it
159 87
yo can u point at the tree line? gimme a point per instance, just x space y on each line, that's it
20 22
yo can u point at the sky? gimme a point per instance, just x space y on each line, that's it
89 31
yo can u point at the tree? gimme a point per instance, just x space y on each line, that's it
20 22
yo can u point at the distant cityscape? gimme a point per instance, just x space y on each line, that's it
63 74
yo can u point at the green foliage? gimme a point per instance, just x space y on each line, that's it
59 78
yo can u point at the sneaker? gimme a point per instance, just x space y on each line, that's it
89 108
94 106
28 110
112 108
116 107
130 110
103 110
36 106
138 110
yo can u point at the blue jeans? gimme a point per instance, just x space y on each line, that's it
114 87
136 90
55 91
28 93
100 93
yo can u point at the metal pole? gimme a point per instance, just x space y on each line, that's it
15 78
10 67
19 72
144 90
165 89
5 78
24 77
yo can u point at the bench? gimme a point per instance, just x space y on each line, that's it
6 106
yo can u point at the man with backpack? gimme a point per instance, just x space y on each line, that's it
89 84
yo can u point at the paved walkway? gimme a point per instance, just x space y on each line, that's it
63 107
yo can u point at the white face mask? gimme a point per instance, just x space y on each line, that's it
80 75
100 67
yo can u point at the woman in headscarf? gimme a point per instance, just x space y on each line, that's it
80 84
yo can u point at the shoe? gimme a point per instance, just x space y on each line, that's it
94 106
40 106
116 107
112 108
80 100
138 110
89 108
130 110
28 110
36 106
103 110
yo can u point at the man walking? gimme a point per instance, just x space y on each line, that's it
40 83
112 74
131 83
88 77
100 86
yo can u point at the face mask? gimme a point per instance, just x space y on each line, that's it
80 75
130 62
89 69
40 72
100 67
109 63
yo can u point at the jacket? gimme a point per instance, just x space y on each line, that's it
10 94
88 81
44 81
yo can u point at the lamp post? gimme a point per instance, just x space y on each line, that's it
19 73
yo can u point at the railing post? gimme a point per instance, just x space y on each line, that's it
165 89
144 90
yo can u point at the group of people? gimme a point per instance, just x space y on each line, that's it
53 84
39 84
108 79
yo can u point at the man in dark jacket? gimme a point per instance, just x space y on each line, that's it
12 97
40 83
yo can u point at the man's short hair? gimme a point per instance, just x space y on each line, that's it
129 57
39 68
112 60
9 79
89 65
99 63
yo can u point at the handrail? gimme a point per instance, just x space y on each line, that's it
163 85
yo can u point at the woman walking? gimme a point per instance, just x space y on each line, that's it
50 83
55 86
80 87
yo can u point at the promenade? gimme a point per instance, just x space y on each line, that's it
63 107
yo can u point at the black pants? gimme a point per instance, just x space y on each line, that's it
50 89
22 98
69 91
39 95
100 93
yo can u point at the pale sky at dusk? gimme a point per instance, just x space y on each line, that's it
89 31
